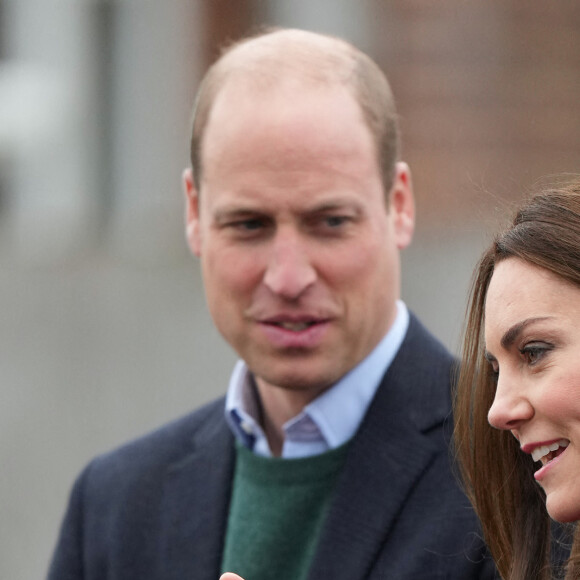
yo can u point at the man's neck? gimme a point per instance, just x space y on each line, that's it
278 406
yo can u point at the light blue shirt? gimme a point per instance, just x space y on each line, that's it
329 420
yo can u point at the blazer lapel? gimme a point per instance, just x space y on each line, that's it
387 456
195 505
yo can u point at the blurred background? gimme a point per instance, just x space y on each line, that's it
103 329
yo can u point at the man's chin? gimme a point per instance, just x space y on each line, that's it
296 380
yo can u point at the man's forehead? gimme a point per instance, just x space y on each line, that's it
284 114
296 55
239 91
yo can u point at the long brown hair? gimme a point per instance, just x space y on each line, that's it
497 476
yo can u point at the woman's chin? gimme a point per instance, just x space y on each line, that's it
563 512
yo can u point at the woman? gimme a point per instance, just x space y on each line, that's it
521 374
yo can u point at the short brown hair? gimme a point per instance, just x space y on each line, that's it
498 477
312 57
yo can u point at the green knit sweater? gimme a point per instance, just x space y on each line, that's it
277 510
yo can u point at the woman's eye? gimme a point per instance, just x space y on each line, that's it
533 353
494 371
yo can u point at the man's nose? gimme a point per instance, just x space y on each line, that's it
290 270
510 407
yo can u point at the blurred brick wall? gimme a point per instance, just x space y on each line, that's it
489 98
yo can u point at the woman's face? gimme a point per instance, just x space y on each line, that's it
532 335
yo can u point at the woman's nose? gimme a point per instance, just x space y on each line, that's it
510 407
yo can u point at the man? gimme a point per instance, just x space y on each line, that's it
328 457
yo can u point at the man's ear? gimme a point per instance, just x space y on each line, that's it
192 227
402 205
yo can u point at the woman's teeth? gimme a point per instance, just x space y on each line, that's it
545 452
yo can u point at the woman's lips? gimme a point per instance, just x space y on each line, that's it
549 461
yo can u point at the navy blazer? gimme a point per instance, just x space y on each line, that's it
156 509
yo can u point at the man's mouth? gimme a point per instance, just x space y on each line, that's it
294 326
545 453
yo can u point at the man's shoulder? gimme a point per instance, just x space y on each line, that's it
155 452
423 358
431 347
420 378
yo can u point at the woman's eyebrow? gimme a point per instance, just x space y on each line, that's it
512 333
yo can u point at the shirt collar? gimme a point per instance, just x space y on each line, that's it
328 421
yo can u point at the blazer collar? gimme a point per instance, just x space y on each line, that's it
387 456
195 504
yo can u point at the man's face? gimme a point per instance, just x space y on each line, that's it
299 252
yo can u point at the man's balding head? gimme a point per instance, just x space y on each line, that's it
301 59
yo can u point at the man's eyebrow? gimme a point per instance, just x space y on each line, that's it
512 333
333 205
228 213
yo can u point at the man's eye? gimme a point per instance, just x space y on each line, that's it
249 225
335 221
